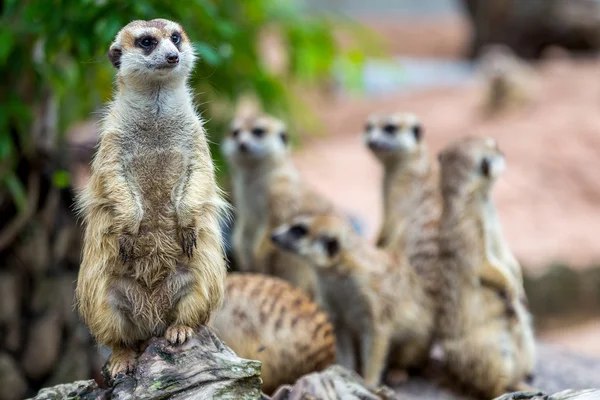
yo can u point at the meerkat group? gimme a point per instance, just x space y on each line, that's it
153 261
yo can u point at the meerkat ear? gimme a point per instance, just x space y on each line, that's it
114 55
284 137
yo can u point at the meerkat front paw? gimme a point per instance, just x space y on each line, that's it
178 334
126 247
122 360
189 241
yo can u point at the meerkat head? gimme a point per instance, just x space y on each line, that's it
255 138
393 136
321 239
470 165
149 51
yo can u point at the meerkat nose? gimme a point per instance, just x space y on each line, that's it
243 147
172 58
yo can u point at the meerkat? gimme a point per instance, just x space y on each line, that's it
485 328
265 318
153 261
411 198
267 191
377 304
508 81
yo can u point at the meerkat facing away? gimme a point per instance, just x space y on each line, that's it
265 318
377 303
153 260
411 200
485 327
508 81
267 191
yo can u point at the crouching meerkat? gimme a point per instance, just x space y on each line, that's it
485 328
376 303
411 199
265 318
153 262
267 191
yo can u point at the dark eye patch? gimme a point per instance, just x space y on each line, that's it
148 43
298 230
332 245
235 133
258 132
176 38
284 137
485 167
417 132
390 129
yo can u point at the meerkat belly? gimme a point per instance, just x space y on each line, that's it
158 175
148 308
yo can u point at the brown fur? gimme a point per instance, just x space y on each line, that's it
377 303
267 191
485 327
267 319
411 199
152 256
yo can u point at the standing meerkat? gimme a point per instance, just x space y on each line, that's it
411 199
153 261
267 191
265 318
485 328
377 304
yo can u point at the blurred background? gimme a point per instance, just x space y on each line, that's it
324 66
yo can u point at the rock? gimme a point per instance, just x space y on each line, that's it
335 382
80 390
43 347
587 394
10 301
12 383
74 363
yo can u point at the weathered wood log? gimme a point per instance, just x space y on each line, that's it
204 368
586 394
335 382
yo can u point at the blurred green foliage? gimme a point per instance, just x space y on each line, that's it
56 49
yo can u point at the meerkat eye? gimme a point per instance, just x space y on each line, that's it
176 38
417 132
146 42
369 127
332 245
298 230
258 132
235 133
284 137
485 167
390 129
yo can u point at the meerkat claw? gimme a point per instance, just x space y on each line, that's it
126 244
179 334
188 241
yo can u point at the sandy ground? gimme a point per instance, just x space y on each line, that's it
549 197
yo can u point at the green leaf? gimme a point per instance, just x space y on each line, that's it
207 54
16 190
61 179
6 44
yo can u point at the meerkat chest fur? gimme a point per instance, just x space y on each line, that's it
157 131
